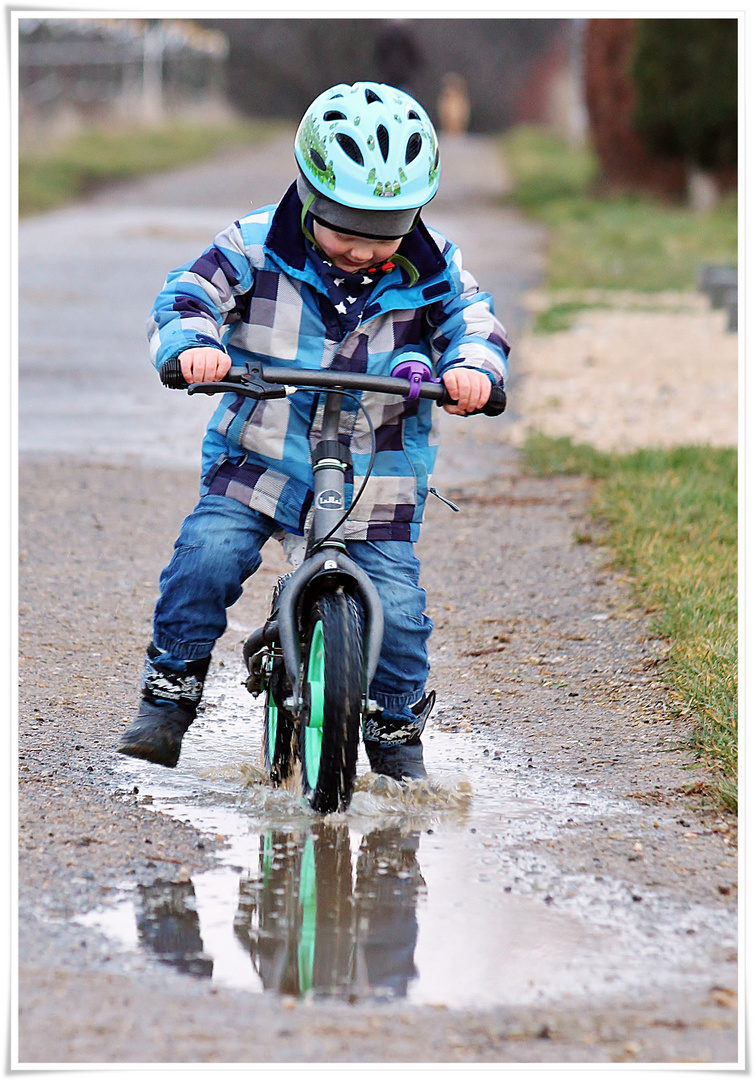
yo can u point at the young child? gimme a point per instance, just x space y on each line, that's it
341 274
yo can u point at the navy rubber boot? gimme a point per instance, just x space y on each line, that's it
401 762
395 749
171 692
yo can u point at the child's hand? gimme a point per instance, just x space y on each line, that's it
469 389
204 364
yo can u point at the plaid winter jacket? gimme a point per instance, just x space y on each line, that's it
255 292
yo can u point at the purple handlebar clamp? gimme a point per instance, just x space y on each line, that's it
417 372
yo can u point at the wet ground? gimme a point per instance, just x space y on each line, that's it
413 893
562 890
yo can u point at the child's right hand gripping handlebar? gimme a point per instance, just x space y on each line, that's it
254 380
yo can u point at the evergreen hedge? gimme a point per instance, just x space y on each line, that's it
685 75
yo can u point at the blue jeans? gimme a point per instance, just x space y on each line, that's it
219 548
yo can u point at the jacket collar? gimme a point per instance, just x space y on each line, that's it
285 242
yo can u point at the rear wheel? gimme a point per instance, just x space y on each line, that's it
280 727
332 693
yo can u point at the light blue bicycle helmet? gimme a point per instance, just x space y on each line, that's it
368 158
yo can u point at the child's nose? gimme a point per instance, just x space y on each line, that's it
361 252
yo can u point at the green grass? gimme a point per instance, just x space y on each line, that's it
670 516
53 177
624 242
561 315
671 519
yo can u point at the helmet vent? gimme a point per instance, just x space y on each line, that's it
371 96
349 147
316 160
412 115
413 147
333 115
384 141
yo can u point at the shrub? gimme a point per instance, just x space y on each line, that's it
685 77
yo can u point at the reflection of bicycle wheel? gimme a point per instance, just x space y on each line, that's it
279 728
331 715
325 952
329 892
296 914
267 919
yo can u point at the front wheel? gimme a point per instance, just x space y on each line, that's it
332 709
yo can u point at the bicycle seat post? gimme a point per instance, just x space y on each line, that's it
330 460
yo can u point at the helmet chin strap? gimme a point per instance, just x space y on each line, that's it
304 211
411 269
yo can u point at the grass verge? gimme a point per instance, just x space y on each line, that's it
623 242
672 522
88 161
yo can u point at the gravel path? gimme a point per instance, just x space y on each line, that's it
540 655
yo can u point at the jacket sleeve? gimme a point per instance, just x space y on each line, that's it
465 331
200 298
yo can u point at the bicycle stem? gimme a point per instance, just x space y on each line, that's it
329 465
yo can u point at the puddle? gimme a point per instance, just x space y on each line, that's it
424 893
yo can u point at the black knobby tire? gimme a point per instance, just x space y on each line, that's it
332 710
280 740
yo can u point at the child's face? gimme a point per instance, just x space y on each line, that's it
353 253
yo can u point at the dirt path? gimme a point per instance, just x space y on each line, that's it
559 679
540 658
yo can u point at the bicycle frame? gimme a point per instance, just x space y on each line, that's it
326 562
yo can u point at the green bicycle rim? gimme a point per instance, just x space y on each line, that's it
271 720
308 905
267 857
313 733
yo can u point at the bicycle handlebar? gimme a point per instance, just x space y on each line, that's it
258 381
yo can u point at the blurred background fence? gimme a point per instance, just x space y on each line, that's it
79 72
113 69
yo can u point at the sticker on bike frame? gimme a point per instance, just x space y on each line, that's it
329 500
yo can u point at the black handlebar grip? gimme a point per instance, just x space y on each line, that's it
496 403
170 375
494 406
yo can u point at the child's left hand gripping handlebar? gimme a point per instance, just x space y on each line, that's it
258 381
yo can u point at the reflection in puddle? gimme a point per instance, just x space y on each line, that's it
430 892
311 924
168 925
